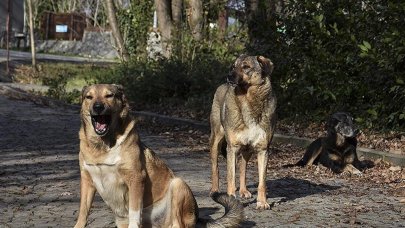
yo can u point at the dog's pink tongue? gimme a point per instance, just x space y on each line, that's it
100 123
100 126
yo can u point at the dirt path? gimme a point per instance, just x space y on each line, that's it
39 178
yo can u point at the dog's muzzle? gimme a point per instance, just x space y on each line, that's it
231 82
231 79
99 119
348 131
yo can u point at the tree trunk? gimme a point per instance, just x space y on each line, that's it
177 9
260 17
251 7
96 14
165 25
8 36
222 18
116 31
196 18
32 37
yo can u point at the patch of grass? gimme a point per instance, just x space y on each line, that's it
65 80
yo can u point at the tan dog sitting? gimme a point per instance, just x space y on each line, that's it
243 118
139 188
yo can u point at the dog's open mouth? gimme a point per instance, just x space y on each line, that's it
101 123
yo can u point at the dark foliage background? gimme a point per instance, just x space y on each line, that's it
328 55
334 55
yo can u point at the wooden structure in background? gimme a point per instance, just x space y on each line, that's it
63 26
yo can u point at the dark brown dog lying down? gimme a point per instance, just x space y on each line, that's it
138 186
337 150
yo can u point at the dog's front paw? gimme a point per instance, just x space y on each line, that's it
245 194
352 170
357 172
262 206
80 224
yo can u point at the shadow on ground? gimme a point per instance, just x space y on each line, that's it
289 188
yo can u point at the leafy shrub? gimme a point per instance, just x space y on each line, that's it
188 79
333 55
57 88
65 80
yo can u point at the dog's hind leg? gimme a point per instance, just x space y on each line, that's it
312 153
183 210
243 191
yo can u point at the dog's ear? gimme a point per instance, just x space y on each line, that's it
232 74
239 61
118 88
84 91
331 124
120 94
266 65
234 71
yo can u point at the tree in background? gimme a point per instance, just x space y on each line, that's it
195 18
112 19
222 17
167 14
32 35
171 22
135 22
261 21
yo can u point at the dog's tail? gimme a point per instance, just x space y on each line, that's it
233 216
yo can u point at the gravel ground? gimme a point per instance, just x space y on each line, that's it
39 177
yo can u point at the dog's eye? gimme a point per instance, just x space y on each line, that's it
109 95
245 67
89 97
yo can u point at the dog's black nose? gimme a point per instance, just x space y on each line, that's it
230 79
98 107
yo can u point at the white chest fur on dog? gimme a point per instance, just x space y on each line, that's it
253 133
108 182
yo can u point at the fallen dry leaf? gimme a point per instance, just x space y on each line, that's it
66 194
395 168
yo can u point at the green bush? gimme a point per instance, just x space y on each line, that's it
187 80
57 88
65 80
333 55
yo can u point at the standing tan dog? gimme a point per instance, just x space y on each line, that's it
243 117
139 188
